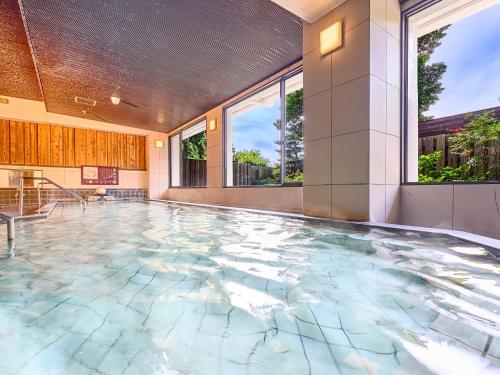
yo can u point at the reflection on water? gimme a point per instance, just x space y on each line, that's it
151 288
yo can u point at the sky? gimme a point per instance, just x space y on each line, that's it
472 52
254 130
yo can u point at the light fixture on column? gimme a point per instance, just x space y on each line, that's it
213 124
4 101
115 100
159 144
330 38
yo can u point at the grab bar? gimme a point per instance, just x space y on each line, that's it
11 230
46 181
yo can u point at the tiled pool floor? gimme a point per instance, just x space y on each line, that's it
135 288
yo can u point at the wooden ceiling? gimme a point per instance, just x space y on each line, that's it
168 60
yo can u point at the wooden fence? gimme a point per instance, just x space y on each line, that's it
194 173
248 174
440 142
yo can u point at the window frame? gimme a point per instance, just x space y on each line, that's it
281 81
405 16
170 136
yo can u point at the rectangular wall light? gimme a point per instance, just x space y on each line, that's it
330 38
159 144
213 124
4 101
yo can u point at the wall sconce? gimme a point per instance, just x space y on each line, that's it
213 124
331 38
4 101
159 144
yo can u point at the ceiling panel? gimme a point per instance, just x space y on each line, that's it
17 72
171 60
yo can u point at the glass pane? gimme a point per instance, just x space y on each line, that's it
175 160
253 140
294 140
453 104
194 155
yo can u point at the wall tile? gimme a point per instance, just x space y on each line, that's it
351 202
378 104
351 106
378 12
351 158
393 18
318 200
427 205
477 209
378 51
392 160
393 110
393 61
352 61
318 116
377 157
318 163
377 203
392 206
317 73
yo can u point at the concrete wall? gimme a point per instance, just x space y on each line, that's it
465 207
155 179
270 198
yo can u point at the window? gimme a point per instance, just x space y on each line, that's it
258 150
451 92
188 157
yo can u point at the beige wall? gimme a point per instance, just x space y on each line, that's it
464 207
351 111
272 198
155 179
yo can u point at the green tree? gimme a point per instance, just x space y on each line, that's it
253 157
294 146
477 140
429 75
195 147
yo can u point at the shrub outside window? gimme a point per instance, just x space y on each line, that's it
188 156
258 149
451 95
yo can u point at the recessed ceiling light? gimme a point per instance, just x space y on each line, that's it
115 100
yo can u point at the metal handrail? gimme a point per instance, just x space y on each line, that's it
46 181
11 233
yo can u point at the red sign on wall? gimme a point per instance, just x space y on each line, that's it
93 175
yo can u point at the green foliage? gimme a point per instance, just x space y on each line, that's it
428 170
253 157
294 145
195 147
294 177
429 75
475 141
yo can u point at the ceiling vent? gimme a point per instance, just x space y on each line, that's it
85 101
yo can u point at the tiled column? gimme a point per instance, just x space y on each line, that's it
351 114
157 166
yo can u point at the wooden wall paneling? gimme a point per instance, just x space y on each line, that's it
69 146
141 153
56 146
102 148
4 142
80 147
43 144
16 142
131 152
91 147
30 143
113 149
123 152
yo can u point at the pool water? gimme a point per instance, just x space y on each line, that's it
153 288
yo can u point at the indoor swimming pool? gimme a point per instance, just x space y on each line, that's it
155 288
